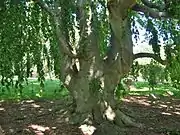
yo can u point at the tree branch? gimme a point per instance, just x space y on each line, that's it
62 42
149 11
128 3
150 55
118 8
153 5
82 18
55 14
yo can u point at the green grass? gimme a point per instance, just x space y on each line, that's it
140 85
33 90
160 90
52 90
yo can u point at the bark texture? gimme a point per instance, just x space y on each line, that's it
93 86
91 79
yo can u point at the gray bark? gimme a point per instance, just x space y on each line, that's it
93 85
93 92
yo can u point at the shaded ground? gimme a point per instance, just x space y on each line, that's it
160 117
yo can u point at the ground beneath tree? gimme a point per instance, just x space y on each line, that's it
44 117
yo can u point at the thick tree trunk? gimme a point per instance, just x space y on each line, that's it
93 85
96 107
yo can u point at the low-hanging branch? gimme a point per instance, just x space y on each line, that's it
54 12
150 11
150 55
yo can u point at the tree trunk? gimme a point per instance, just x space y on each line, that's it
93 85
94 94
96 105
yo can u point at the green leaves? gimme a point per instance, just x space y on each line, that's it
28 40
173 53
100 25
174 8
150 28
22 41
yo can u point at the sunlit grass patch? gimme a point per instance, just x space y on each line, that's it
142 88
32 90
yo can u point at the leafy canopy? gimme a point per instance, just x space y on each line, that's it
28 38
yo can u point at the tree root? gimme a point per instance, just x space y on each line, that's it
122 119
119 127
1 131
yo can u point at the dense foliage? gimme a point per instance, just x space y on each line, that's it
28 39
25 33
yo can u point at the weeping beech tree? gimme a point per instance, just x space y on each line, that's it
88 45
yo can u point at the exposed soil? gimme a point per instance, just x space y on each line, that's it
44 117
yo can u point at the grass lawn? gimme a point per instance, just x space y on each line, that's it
142 88
51 90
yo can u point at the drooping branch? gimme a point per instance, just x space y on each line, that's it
55 13
150 55
66 52
153 5
150 11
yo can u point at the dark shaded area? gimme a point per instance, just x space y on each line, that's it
160 117
41 117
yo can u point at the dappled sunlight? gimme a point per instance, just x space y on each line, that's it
51 102
166 113
144 103
40 111
169 93
68 79
54 128
43 118
2 109
163 106
141 89
87 129
166 107
67 119
1 101
22 108
178 113
39 129
35 105
110 114
178 109
50 110
38 94
1 131
137 100
29 101
63 117
126 100
35 83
